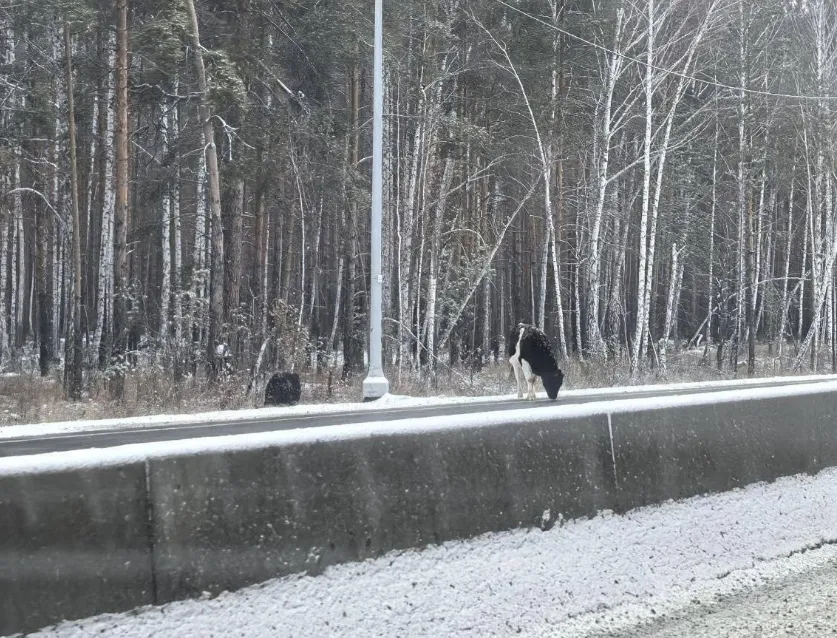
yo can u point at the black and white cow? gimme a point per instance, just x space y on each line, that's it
283 389
531 356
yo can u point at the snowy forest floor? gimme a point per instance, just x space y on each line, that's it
26 397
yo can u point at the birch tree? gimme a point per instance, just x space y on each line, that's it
216 301
75 378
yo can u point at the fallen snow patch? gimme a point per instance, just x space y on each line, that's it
565 581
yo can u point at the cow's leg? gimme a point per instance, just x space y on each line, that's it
515 364
530 380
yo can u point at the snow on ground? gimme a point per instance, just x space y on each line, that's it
109 456
386 403
579 579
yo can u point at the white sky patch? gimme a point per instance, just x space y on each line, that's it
385 403
563 582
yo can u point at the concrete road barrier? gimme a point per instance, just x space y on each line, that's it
171 521
227 520
73 544
683 451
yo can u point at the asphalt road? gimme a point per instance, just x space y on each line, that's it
109 438
802 606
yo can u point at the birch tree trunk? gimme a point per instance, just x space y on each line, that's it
165 247
57 233
646 260
783 319
177 265
200 275
595 344
233 231
646 267
352 342
43 228
76 379
104 296
435 248
672 302
5 315
216 301
614 306
15 313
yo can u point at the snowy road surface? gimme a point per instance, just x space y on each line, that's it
610 575
800 605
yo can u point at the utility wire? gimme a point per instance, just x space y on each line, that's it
686 76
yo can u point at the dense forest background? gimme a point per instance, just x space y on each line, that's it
186 186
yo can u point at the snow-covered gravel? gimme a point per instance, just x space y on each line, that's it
585 577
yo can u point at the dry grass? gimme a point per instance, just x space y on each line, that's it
25 397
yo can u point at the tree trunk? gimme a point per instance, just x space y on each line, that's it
352 343
233 232
177 260
43 227
5 315
672 303
216 301
646 260
197 321
435 249
102 337
165 248
75 380
120 278
261 232
783 318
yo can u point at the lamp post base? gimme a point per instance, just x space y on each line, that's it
374 387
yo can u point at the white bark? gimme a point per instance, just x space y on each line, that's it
577 294
177 257
315 265
596 346
553 235
21 287
676 278
94 130
165 219
15 314
4 307
801 305
435 249
766 262
104 300
788 243
57 231
405 233
647 255
710 289
302 249
200 247
823 240
335 321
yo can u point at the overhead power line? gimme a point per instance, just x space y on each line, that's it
694 78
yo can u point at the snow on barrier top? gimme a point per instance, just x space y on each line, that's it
137 452
386 403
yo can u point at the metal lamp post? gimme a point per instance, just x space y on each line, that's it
375 385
